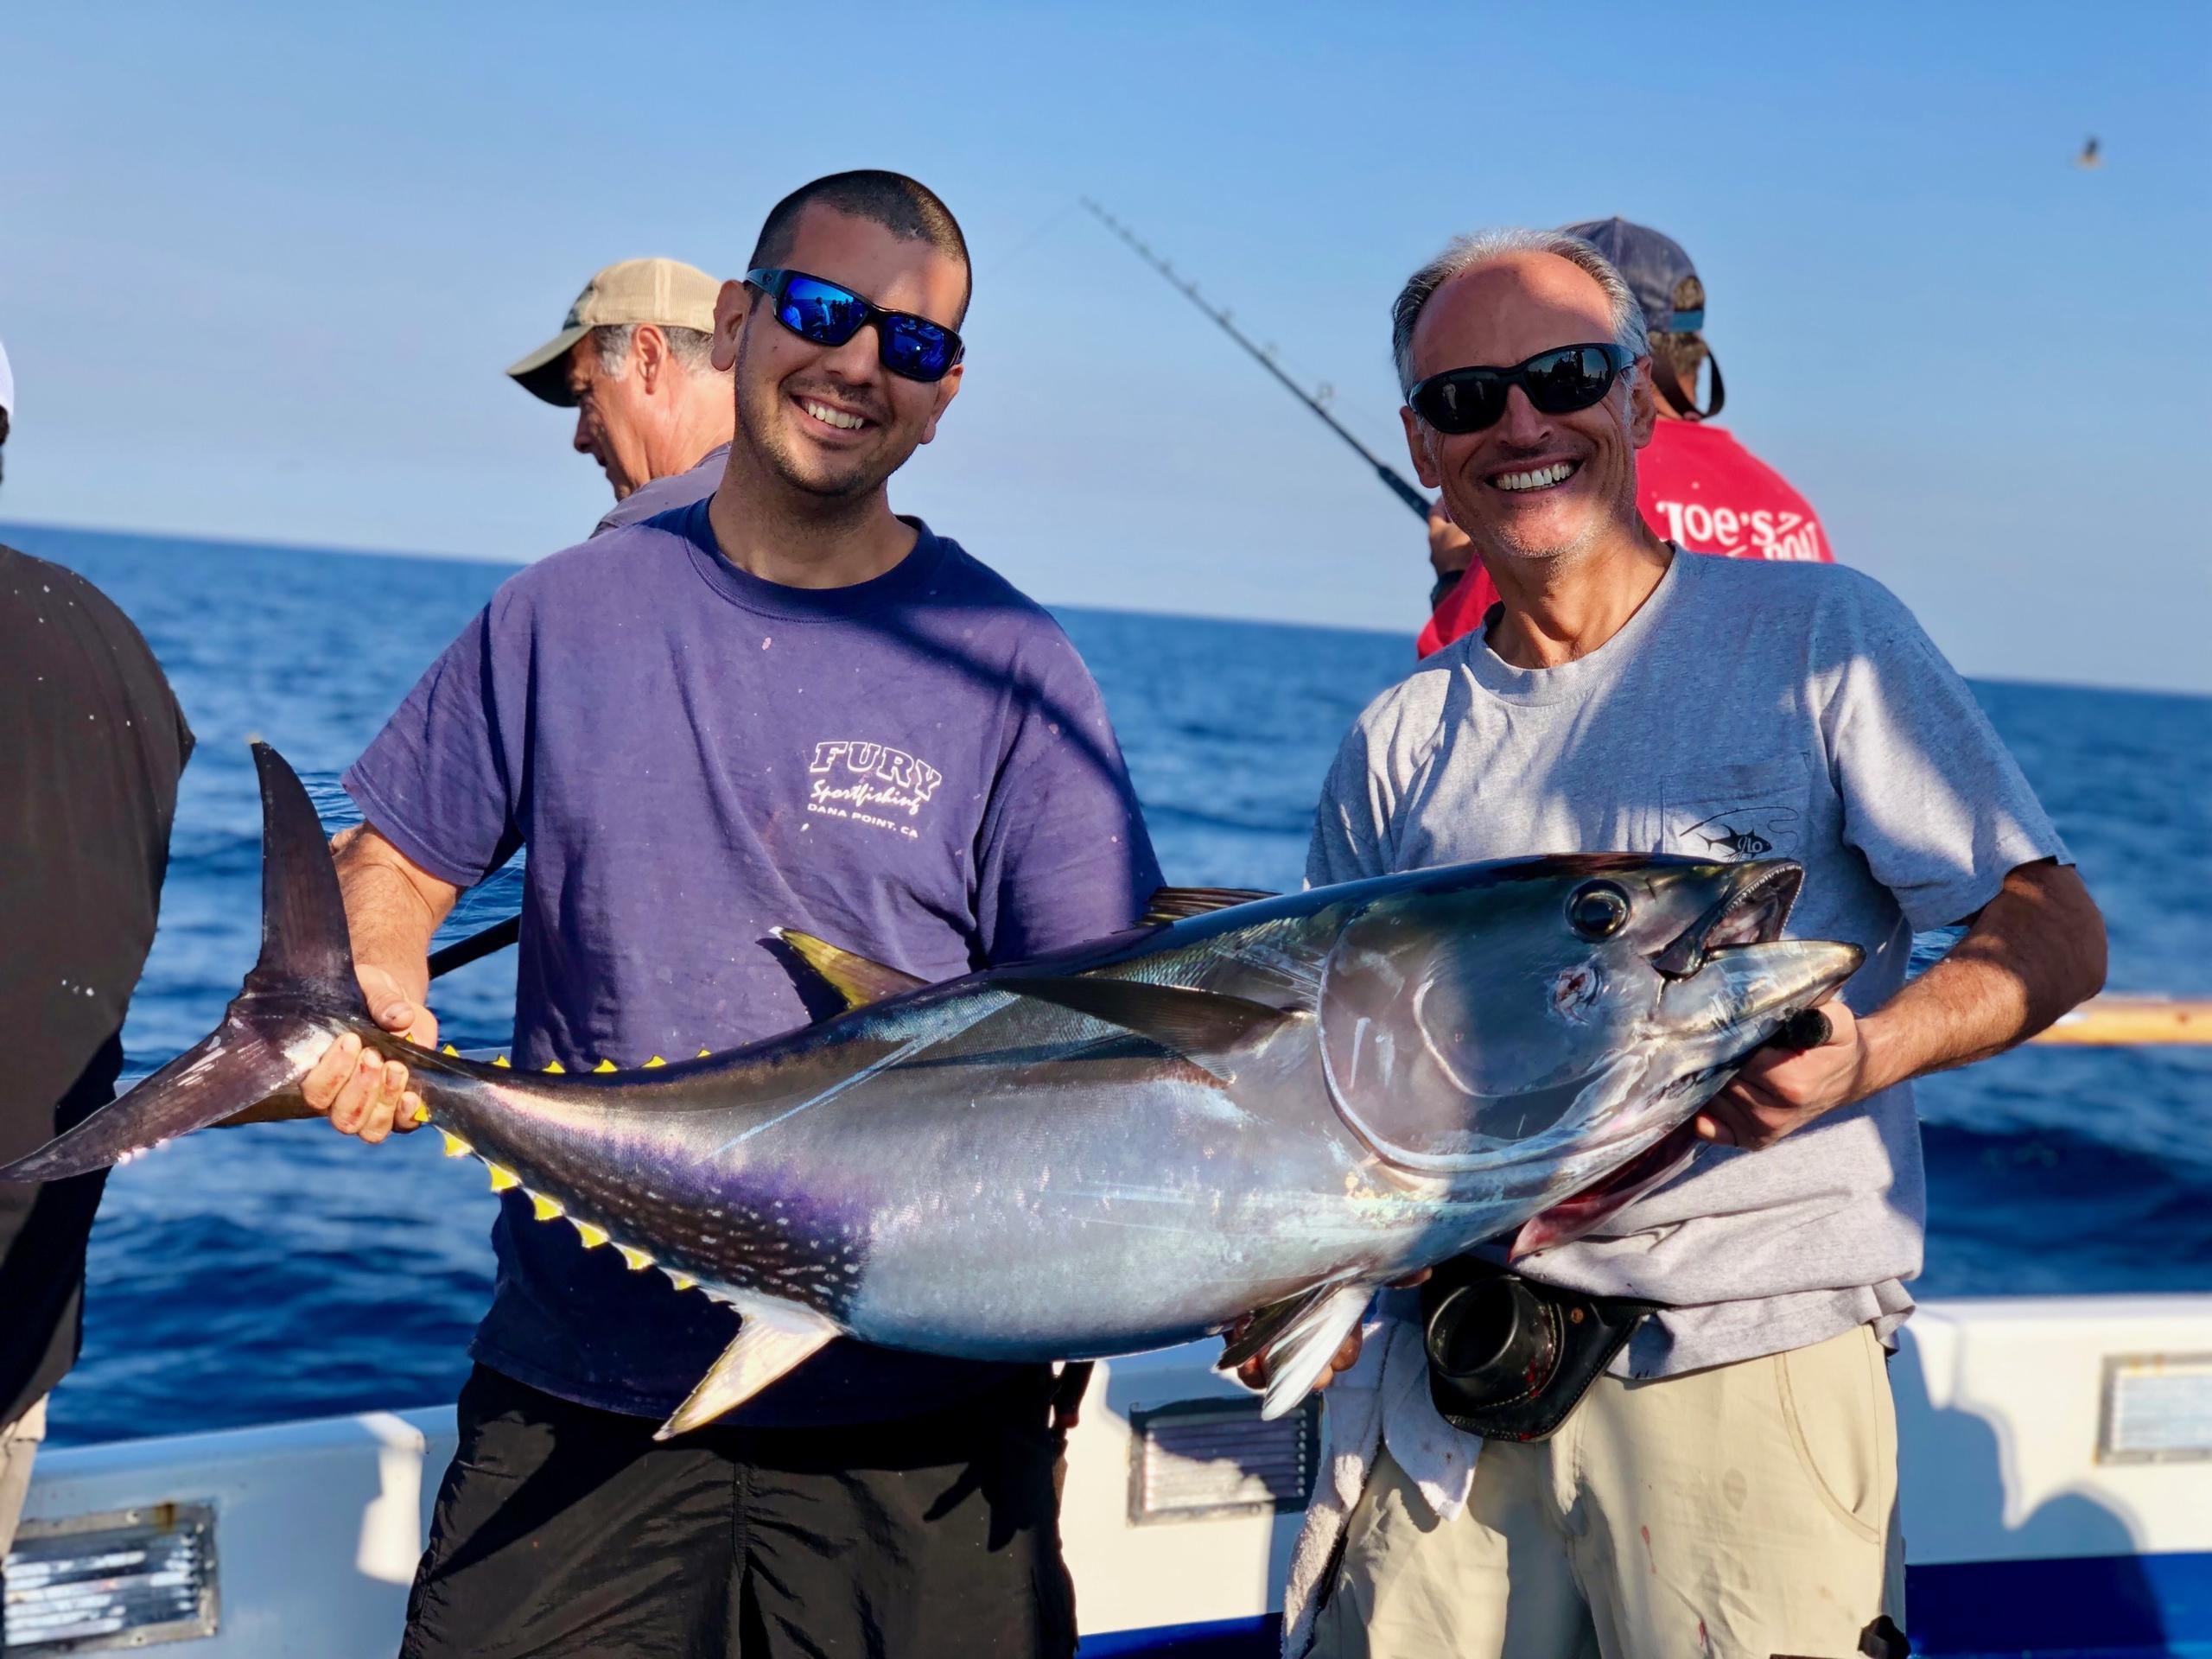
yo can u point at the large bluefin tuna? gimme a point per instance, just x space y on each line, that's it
1275 1105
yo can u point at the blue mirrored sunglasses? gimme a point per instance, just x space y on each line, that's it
822 312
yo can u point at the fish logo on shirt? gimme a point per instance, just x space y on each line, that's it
1740 843
870 782
1738 832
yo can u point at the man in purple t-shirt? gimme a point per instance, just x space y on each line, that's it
784 706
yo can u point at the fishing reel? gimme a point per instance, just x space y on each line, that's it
1509 1357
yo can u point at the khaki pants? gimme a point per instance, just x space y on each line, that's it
1748 1510
18 1445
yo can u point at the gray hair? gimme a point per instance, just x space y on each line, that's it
690 349
1486 246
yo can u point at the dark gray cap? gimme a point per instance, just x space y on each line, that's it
1654 267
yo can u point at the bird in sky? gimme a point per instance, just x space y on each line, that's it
2089 157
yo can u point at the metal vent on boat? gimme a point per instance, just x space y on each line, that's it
122 1578
2158 1408
1200 1458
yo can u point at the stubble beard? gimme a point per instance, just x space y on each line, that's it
1500 540
1556 552
759 426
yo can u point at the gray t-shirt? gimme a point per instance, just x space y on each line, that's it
1747 709
660 495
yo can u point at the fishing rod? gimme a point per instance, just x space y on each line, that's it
1316 401
476 946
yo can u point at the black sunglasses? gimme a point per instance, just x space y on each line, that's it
1558 381
912 346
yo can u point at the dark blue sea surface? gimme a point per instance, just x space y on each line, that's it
284 1271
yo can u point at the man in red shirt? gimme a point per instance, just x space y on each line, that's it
1695 484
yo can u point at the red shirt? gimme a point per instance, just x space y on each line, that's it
1694 485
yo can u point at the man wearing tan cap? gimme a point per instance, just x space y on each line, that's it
632 360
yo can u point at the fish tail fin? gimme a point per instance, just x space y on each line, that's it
301 995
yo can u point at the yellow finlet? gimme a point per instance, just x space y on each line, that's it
422 1112
854 978
593 1236
638 1259
681 1280
456 1147
503 1178
604 1065
448 1048
704 1053
653 1062
500 1061
555 1066
545 1209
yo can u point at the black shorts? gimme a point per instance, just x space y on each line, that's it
564 1530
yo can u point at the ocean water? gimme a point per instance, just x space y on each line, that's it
284 1271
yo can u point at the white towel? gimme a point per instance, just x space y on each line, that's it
1383 1400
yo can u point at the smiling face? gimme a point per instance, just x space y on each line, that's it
1533 486
832 421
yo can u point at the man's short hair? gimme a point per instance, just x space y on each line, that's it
688 349
906 207
1683 351
1684 354
1486 247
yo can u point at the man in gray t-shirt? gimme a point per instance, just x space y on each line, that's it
632 359
1729 1487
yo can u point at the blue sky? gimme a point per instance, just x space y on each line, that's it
260 267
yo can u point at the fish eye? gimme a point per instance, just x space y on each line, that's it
1597 911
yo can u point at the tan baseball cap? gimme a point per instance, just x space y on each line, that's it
667 292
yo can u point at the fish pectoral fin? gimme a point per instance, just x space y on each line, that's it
1269 1322
1194 1024
773 1339
1180 904
1297 1357
855 978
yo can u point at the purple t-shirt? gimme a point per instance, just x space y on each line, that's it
918 768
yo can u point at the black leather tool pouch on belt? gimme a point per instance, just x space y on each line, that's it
1507 1358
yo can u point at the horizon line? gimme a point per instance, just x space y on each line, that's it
255 543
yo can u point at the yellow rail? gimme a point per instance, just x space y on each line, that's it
2104 1021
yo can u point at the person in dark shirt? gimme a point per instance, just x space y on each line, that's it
782 707
634 359
92 744
1450 552
7 396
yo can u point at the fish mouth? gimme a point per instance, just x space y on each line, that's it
1739 982
1730 980
1753 905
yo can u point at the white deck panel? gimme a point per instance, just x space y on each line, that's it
2000 1403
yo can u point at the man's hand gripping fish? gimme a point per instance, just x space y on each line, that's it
1275 1104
